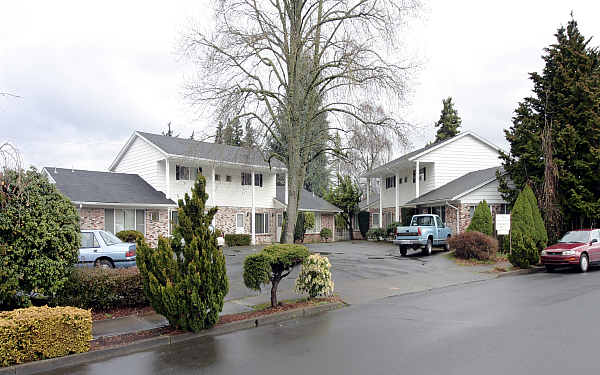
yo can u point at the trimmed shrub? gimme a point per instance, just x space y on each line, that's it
130 236
102 289
315 277
309 220
523 233
300 228
325 233
376 233
39 237
272 264
36 333
237 239
541 236
474 245
391 228
482 220
186 280
363 222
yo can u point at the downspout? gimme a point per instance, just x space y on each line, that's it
457 216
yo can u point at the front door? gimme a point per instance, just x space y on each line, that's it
239 223
279 226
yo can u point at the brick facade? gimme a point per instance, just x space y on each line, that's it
91 218
225 220
327 221
156 228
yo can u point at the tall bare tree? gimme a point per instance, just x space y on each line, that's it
283 63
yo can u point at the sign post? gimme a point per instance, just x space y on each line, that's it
503 227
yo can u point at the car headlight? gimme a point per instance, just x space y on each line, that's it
569 252
544 252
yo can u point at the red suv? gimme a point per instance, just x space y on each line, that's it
577 248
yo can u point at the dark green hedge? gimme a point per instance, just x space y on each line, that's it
130 236
102 289
237 239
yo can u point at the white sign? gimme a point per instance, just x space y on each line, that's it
503 224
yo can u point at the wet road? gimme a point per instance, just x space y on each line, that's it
534 324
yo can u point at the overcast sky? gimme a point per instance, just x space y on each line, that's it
89 75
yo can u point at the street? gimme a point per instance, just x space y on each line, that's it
534 324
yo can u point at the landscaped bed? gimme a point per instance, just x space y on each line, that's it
260 310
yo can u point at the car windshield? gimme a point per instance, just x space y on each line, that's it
575 236
109 238
424 221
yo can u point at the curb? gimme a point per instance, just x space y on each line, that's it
153 342
533 269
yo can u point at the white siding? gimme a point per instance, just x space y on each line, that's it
460 157
488 192
230 194
143 159
408 188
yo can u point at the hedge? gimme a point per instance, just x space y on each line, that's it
376 233
237 239
474 245
36 333
130 235
102 289
325 234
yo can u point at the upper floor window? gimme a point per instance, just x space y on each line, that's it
390 182
422 174
246 178
183 173
217 177
258 179
227 178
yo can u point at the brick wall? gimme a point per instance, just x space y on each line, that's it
463 216
91 218
156 228
225 220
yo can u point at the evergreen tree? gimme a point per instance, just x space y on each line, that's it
228 134
482 220
449 121
169 132
237 134
540 236
523 233
186 280
345 196
566 99
219 133
249 136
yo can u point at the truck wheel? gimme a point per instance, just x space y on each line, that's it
428 248
403 250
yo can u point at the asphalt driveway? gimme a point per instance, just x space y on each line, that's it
363 271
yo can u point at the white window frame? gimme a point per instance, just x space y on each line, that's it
266 223
374 223
114 229
243 223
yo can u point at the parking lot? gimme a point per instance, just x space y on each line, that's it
363 271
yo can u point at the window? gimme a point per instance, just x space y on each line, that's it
227 178
217 177
388 218
504 209
109 220
424 221
88 240
258 179
109 238
375 220
422 174
471 211
174 220
390 182
596 235
239 220
405 179
199 171
154 216
400 182
140 221
279 220
246 178
440 211
184 173
124 220
261 223
414 174
438 222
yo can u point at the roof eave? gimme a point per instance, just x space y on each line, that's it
121 204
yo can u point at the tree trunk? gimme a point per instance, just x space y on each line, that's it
274 285
350 229
296 174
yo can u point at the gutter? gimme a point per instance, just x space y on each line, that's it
135 205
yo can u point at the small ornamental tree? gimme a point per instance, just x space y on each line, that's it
482 220
540 234
271 265
39 237
309 220
524 249
325 234
186 280
315 277
346 196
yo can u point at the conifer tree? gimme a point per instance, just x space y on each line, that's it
449 122
237 134
186 280
540 235
219 133
523 233
482 220
228 134
249 136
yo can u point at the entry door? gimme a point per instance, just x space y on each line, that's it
239 223
279 226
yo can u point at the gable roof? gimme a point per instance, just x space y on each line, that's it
82 186
456 188
188 148
308 201
413 155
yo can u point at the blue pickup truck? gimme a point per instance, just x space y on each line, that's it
424 232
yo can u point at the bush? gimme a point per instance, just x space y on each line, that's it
474 245
36 333
391 228
186 280
272 264
325 234
309 220
237 239
363 222
482 220
315 277
39 237
376 233
102 289
130 236
523 232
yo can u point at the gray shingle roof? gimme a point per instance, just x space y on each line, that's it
458 186
308 201
106 187
212 151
